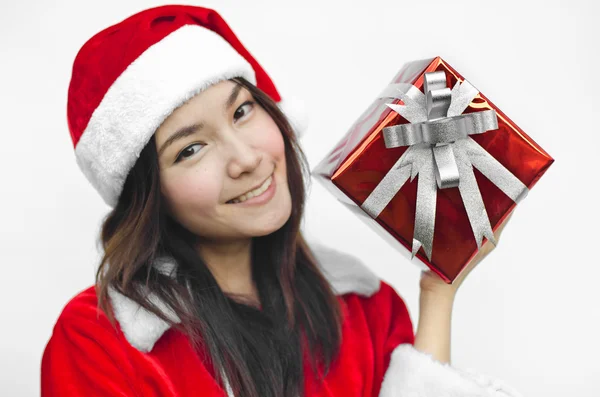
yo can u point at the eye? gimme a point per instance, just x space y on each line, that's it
243 113
188 152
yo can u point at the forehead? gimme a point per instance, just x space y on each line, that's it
207 103
211 98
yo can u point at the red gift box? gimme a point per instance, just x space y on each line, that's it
353 171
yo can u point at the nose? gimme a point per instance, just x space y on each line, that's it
243 157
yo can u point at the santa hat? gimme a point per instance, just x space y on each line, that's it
128 78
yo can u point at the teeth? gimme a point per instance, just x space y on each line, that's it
256 192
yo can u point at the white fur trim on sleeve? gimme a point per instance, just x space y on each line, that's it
412 373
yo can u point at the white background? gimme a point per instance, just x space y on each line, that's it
528 314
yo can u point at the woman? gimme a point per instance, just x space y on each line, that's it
207 286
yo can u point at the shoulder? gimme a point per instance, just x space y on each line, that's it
345 273
82 306
382 319
81 319
83 348
385 302
83 332
356 284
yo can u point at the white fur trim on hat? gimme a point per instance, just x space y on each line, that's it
161 79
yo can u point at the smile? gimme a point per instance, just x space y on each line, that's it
260 195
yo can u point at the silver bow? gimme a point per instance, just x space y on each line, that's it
442 153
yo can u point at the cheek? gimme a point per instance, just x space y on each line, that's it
272 141
186 189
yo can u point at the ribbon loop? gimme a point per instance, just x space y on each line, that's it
446 170
445 130
438 96
438 102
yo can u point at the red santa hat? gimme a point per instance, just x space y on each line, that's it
128 78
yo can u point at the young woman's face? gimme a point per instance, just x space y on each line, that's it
215 153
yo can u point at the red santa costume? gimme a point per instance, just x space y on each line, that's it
126 80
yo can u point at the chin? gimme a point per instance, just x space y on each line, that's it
263 227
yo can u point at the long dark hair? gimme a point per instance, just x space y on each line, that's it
258 350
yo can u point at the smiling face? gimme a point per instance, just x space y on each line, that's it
215 153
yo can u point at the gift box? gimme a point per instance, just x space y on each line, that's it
433 166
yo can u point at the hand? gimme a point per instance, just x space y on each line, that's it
432 283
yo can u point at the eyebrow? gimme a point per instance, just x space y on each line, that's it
191 129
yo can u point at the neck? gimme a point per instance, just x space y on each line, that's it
231 265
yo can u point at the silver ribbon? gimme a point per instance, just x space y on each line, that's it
442 153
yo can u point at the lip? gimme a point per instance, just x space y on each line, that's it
263 198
